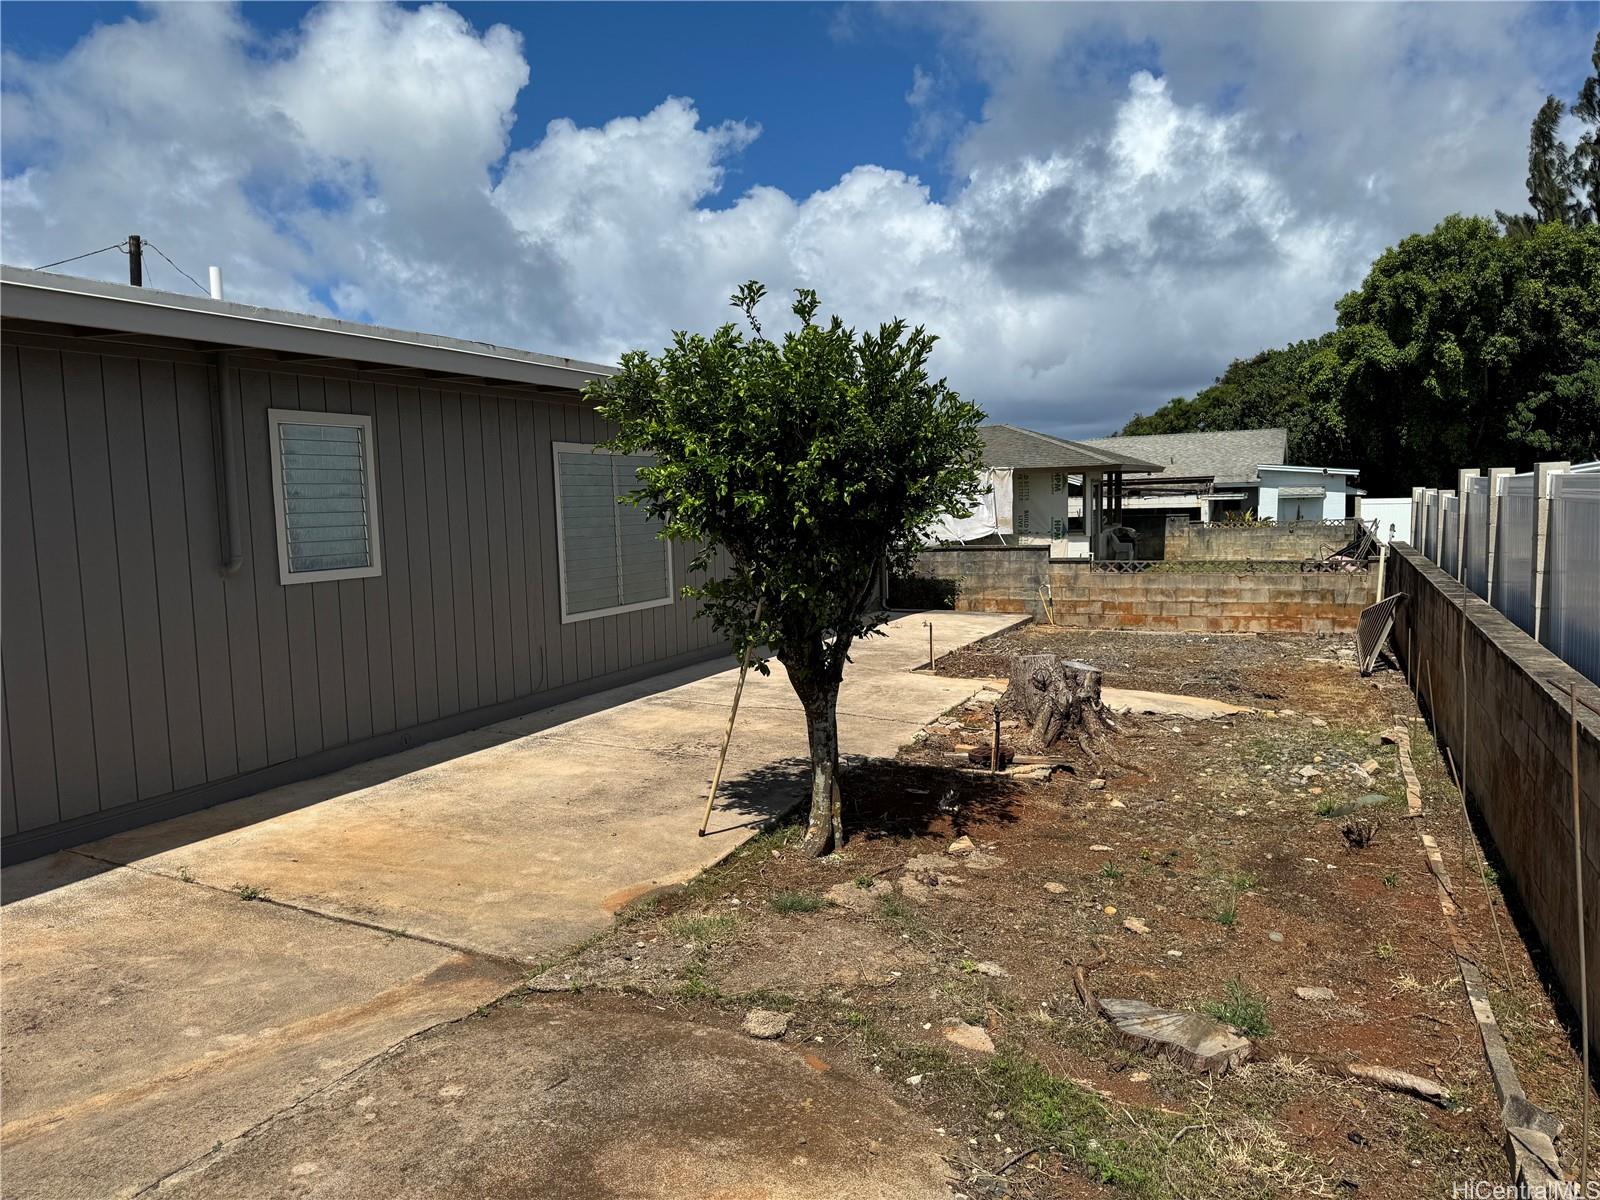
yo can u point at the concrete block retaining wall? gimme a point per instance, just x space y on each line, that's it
1186 539
1287 600
1500 701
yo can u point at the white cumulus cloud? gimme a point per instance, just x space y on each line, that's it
364 164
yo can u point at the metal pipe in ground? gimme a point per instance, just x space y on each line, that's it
1583 952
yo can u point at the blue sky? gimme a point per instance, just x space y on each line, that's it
826 85
1095 206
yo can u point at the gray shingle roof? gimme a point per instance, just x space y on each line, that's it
1012 446
1229 456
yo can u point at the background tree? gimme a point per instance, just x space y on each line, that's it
1263 392
814 463
1463 346
1586 155
1563 185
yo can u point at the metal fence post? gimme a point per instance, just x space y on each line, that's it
1541 528
1415 536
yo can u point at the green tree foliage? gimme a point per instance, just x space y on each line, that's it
1563 185
1464 347
1461 347
813 462
1586 155
1264 392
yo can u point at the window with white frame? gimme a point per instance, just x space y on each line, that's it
324 495
611 557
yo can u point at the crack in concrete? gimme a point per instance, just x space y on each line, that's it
308 910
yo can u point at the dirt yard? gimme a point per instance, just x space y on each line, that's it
1214 870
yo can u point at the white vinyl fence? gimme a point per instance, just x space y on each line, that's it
1449 535
1488 537
1574 579
1513 551
1475 541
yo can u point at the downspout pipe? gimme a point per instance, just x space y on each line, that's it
232 441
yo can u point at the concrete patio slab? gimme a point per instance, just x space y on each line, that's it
556 1102
515 840
146 1019
152 1015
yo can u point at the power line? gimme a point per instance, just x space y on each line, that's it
123 246
204 291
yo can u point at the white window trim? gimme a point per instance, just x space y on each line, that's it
369 456
568 618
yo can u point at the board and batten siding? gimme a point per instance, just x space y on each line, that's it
139 681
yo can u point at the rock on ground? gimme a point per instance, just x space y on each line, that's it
764 1023
1314 993
970 1037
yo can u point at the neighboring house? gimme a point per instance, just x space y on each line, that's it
1045 490
243 547
1204 474
1307 493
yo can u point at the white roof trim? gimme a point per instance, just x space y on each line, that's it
64 299
1312 470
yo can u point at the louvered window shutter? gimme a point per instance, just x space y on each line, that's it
612 559
324 495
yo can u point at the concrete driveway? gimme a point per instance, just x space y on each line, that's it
152 1017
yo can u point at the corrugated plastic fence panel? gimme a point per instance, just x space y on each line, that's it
1475 545
1449 542
1573 581
1513 553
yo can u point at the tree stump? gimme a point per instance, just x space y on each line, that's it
1058 698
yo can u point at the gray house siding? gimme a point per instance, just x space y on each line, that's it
140 681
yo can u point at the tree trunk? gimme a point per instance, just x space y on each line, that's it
824 825
1059 698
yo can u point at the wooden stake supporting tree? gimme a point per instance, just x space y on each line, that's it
1059 699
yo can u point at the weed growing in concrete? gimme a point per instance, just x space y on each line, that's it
795 902
249 891
1241 1008
184 875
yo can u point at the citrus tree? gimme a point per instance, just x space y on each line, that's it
813 462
